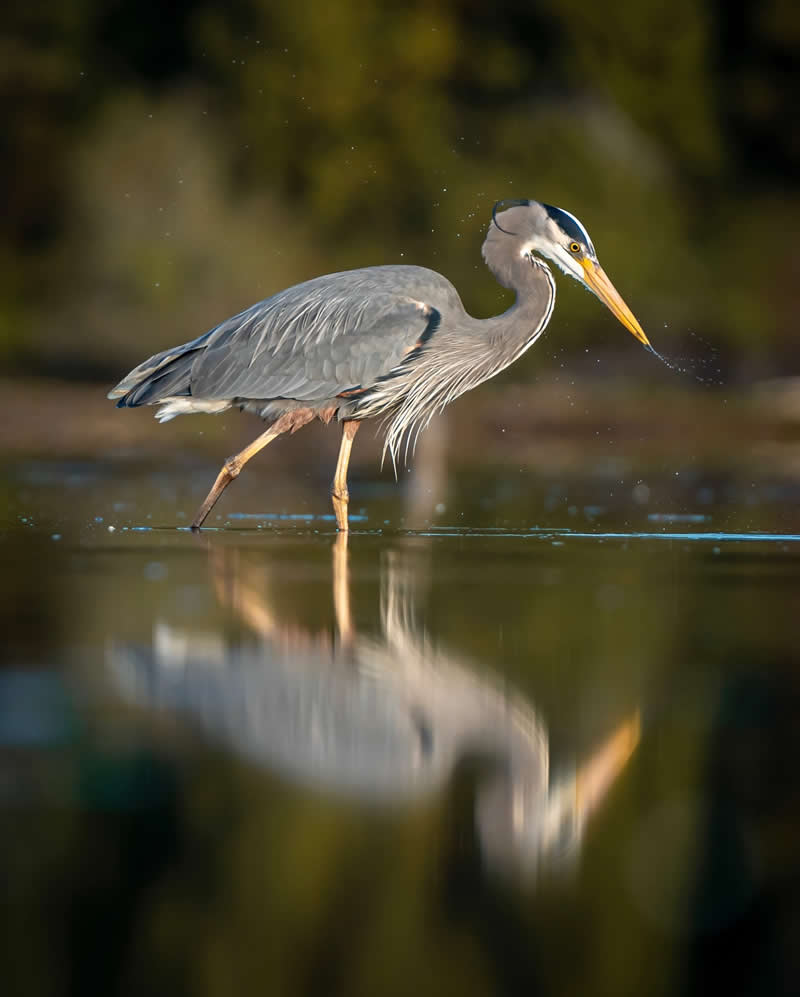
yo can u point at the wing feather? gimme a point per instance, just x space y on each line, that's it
315 340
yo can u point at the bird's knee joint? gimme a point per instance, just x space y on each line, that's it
233 467
340 494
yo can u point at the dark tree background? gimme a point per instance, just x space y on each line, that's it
167 164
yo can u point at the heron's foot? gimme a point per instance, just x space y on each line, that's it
233 465
341 500
230 470
206 507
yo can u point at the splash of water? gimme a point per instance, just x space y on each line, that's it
690 366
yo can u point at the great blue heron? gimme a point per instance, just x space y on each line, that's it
391 341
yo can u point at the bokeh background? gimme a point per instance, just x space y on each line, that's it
167 165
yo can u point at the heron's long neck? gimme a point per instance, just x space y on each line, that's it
513 332
466 352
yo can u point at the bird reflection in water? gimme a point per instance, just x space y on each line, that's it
380 719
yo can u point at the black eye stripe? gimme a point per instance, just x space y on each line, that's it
567 223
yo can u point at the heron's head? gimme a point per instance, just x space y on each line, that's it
531 227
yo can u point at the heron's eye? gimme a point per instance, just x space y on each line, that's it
574 247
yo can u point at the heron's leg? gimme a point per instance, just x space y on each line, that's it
339 492
233 465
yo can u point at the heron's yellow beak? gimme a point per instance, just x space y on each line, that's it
598 281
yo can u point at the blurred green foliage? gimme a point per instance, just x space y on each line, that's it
169 165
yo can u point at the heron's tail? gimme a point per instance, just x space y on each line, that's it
166 375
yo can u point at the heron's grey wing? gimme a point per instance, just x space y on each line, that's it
311 342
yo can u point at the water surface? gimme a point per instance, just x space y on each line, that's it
549 752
